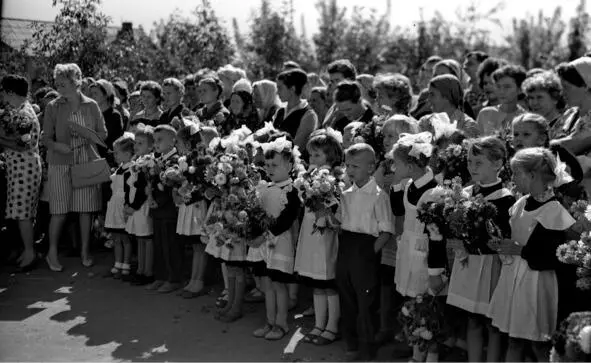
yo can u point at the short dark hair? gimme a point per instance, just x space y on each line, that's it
343 66
330 146
166 129
190 80
488 67
294 78
479 55
569 73
432 60
121 87
512 71
15 84
347 91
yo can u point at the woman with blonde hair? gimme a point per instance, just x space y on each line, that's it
72 126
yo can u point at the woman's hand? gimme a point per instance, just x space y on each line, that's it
62 148
509 247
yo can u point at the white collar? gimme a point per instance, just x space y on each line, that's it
168 154
367 188
422 181
491 184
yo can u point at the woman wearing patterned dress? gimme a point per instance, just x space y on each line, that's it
20 141
65 148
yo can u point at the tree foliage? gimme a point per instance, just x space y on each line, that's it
579 29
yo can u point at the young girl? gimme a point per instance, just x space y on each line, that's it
192 213
471 286
525 303
410 157
384 176
115 219
531 130
137 207
316 253
281 202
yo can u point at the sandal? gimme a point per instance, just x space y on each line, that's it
323 340
309 337
222 300
262 332
254 296
277 333
186 294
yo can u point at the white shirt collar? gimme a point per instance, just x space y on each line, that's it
168 154
422 181
491 184
367 188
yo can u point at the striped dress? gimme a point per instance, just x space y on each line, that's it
64 198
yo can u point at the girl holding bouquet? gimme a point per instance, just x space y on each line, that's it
474 278
317 251
524 304
115 218
281 202
411 155
192 206
137 205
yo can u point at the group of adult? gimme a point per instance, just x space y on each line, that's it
481 96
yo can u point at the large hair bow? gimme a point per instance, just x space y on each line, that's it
419 143
277 145
442 125
562 176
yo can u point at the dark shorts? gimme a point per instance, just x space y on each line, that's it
317 284
279 276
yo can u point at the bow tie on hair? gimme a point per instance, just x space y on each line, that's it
419 143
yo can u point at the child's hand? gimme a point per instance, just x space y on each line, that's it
436 284
510 247
128 211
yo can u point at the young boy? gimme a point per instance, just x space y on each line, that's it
168 253
366 225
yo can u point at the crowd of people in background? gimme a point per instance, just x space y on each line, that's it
383 134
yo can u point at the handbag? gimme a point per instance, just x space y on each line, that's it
92 172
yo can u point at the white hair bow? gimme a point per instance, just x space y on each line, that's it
241 133
266 128
442 125
128 134
277 145
562 176
419 143
334 134
194 128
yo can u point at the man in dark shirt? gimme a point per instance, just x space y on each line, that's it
172 95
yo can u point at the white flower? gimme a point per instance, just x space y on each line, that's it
457 150
220 179
161 187
585 339
183 165
26 138
192 170
405 311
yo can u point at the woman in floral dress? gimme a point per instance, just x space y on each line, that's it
20 139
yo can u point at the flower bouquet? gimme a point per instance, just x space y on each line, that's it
16 126
452 162
578 252
320 190
456 215
194 166
422 320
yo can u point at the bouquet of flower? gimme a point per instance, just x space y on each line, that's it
578 252
172 177
321 191
372 135
454 214
194 166
16 125
452 162
423 323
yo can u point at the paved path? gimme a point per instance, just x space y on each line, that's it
78 315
